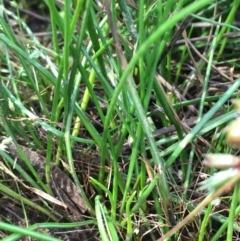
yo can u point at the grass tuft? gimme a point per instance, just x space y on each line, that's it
107 111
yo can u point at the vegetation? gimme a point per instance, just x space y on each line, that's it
107 111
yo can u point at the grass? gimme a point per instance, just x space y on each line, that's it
89 92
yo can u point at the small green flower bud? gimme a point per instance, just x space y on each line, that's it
236 103
233 133
218 179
